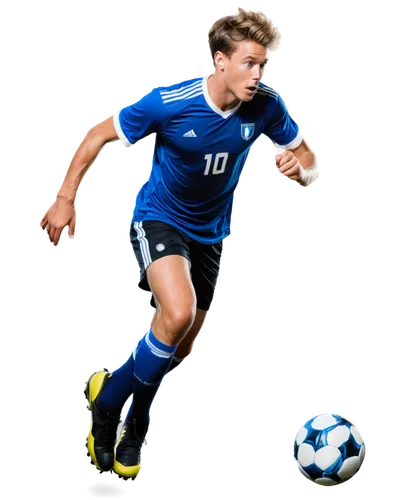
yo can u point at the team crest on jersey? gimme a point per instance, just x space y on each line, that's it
247 130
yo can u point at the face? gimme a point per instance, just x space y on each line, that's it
243 70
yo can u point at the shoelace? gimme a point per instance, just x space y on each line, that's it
131 435
110 426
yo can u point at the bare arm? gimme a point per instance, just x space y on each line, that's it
61 214
84 156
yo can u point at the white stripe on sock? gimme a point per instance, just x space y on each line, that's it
155 350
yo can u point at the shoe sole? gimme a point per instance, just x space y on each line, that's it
126 472
91 392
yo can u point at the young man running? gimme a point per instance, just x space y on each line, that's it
204 129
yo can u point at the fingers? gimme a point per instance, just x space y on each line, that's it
43 222
72 228
72 233
287 165
57 235
46 225
293 173
51 231
284 158
54 232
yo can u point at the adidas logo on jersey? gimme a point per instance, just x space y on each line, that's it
191 133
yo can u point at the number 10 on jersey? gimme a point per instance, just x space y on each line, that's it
217 168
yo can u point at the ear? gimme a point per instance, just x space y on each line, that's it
219 60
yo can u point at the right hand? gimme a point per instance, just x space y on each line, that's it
59 215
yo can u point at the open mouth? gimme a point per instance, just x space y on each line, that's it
252 89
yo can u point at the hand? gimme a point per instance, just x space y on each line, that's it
289 165
59 215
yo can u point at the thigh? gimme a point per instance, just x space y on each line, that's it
205 261
170 282
162 252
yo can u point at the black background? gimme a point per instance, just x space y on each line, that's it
279 345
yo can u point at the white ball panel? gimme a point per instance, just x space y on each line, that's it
301 435
362 454
323 422
349 468
357 435
338 435
326 456
306 455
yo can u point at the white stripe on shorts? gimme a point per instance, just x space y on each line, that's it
144 244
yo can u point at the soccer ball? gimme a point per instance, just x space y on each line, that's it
329 450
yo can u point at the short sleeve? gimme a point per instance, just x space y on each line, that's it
281 128
139 120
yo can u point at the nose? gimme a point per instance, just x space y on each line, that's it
257 72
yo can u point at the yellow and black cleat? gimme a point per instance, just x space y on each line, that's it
127 455
103 430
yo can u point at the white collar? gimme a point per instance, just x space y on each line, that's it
224 114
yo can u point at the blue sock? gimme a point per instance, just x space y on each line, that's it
152 361
118 388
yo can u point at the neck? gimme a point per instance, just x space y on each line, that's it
219 93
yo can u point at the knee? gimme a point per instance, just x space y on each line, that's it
177 321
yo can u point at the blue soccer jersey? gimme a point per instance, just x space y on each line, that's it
200 152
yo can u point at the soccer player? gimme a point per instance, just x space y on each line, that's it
204 129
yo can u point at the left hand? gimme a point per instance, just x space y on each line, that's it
289 165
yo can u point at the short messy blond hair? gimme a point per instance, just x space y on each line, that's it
246 25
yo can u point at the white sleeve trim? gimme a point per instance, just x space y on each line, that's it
119 131
294 144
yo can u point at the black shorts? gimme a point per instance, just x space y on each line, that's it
152 240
